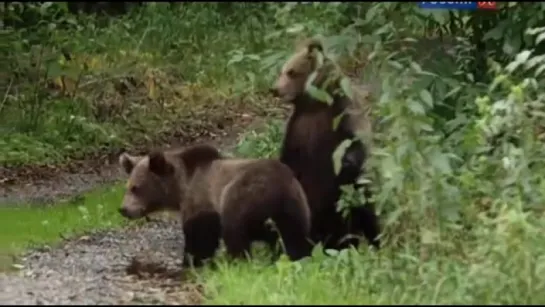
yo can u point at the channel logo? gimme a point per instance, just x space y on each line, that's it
458 5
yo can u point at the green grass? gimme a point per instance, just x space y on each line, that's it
393 276
25 226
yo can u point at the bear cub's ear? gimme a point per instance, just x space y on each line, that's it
127 162
159 165
314 44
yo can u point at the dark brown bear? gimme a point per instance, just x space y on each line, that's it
311 139
219 197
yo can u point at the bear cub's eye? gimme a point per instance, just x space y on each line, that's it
135 190
291 73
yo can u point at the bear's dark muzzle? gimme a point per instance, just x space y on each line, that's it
128 213
123 212
274 92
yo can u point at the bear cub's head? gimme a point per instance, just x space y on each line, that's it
308 58
153 184
296 71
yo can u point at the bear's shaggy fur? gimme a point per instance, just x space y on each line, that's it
219 197
311 139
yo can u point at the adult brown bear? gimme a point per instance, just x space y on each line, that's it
311 139
219 197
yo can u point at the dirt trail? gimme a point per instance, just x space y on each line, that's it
135 265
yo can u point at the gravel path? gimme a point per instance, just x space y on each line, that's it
137 265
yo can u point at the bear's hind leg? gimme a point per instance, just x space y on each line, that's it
267 233
364 219
294 239
368 220
294 230
338 230
237 241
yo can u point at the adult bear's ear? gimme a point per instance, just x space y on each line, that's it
159 165
127 162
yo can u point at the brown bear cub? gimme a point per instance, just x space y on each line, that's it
311 139
219 197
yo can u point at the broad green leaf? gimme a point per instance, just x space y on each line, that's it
316 92
337 121
368 39
534 31
540 38
319 59
416 67
347 89
392 55
395 64
319 94
311 79
523 56
533 61
394 216
389 167
496 33
401 151
428 237
54 69
254 57
440 16
426 97
415 107
539 70
451 213
371 13
499 79
519 60
512 45
235 59
453 92
332 252
410 40
295 29
440 161
338 154
318 252
426 127
538 114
